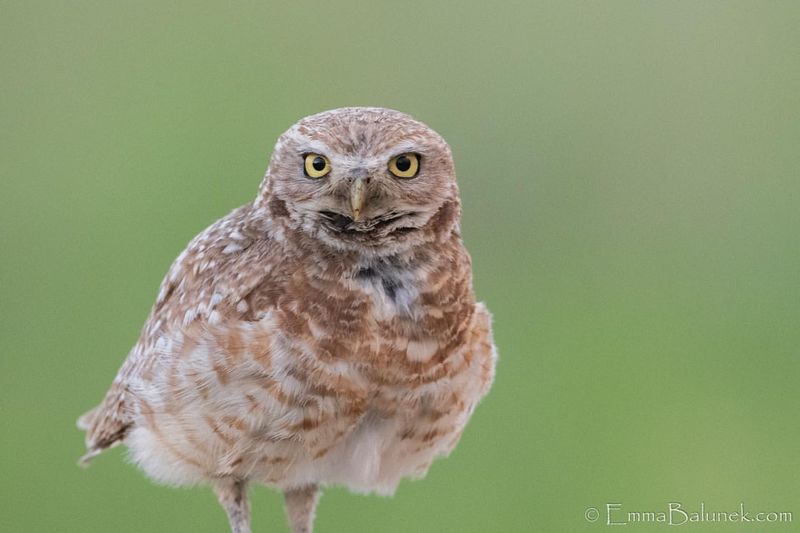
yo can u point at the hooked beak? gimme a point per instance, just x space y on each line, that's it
357 195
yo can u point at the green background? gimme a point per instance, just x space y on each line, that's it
631 193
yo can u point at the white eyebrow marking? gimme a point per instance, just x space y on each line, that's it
315 147
403 147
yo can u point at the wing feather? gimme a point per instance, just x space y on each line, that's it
210 281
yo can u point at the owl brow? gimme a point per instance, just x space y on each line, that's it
406 148
313 147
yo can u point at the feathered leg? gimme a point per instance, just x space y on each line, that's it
300 506
232 495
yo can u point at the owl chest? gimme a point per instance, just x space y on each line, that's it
388 292
363 316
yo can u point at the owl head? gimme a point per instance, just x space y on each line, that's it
363 179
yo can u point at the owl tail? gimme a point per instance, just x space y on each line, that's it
101 433
84 423
86 419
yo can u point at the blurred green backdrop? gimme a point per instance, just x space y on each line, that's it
631 193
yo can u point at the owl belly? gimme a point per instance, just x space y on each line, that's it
406 426
288 425
247 432
373 457
199 444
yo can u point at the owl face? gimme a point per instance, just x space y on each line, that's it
363 178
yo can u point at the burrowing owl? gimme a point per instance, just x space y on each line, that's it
325 333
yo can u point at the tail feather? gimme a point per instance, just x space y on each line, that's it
86 458
86 419
105 427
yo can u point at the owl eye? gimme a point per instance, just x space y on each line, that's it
316 165
404 165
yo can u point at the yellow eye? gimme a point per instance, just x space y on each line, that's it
404 165
316 165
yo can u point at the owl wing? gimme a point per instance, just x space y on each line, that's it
211 281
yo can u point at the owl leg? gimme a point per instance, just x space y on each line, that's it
300 505
232 495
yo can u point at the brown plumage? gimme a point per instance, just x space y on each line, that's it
326 333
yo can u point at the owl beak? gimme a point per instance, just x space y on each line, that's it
357 195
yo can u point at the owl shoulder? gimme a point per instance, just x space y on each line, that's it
213 277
